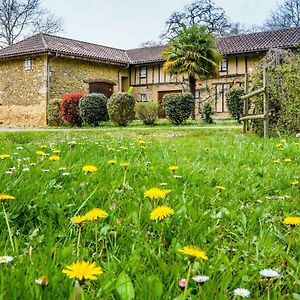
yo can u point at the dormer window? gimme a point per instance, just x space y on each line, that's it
27 64
143 72
223 65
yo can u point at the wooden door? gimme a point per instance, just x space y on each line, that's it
101 88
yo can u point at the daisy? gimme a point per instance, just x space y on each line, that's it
269 273
200 279
5 259
244 293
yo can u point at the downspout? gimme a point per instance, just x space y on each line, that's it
48 81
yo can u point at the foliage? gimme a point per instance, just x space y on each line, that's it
235 104
93 108
121 108
178 107
207 112
147 112
258 195
284 90
69 108
54 117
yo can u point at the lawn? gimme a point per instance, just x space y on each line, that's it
229 196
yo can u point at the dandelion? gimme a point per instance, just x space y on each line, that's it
269 273
280 145
124 165
4 156
156 193
295 182
42 281
40 153
193 252
56 151
244 293
89 169
292 221
4 197
112 162
6 259
111 149
173 168
83 271
161 212
44 146
54 158
95 213
220 187
200 279
78 219
276 161
287 160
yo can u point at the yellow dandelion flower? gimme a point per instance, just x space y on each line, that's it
112 162
4 197
56 151
161 212
95 213
156 193
292 221
78 219
54 158
44 146
89 169
280 145
220 187
83 271
142 142
295 182
124 165
193 252
173 168
111 149
4 156
287 160
40 153
276 161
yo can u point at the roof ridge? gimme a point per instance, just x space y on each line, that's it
147 47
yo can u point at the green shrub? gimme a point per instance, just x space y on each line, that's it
93 109
178 107
121 108
235 103
54 117
147 112
206 112
284 90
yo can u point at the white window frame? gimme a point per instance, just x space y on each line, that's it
144 97
28 64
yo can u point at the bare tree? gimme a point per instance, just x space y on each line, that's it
151 43
19 18
285 15
201 12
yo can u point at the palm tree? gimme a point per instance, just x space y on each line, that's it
193 52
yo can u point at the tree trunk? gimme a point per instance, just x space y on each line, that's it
192 84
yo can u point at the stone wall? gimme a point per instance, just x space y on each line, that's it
23 93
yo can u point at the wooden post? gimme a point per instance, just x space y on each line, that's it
246 104
266 103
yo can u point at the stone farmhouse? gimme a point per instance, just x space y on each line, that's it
43 67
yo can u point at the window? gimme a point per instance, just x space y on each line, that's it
27 64
223 65
197 94
143 72
143 97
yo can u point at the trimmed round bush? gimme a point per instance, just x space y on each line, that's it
178 107
147 112
121 108
54 117
69 108
235 103
93 109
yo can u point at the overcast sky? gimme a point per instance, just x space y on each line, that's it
126 24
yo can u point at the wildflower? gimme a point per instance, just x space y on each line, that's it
5 259
72 143
124 165
62 169
111 149
40 153
269 273
287 160
193 252
276 161
244 293
112 162
44 146
156 193
4 197
46 170
89 169
220 187
95 213
295 182
292 221
65 174
54 158
124 148
56 151
4 156
161 212
182 283
42 281
200 279
173 168
78 219
83 271
280 145
142 142
26 169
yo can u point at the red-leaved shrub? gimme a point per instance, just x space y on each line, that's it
69 109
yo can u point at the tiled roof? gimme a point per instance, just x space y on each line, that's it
259 41
146 55
41 43
245 43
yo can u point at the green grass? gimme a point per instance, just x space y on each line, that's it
240 229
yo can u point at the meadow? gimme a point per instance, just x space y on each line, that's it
223 192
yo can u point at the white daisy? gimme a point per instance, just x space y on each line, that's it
269 273
244 293
200 279
5 259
